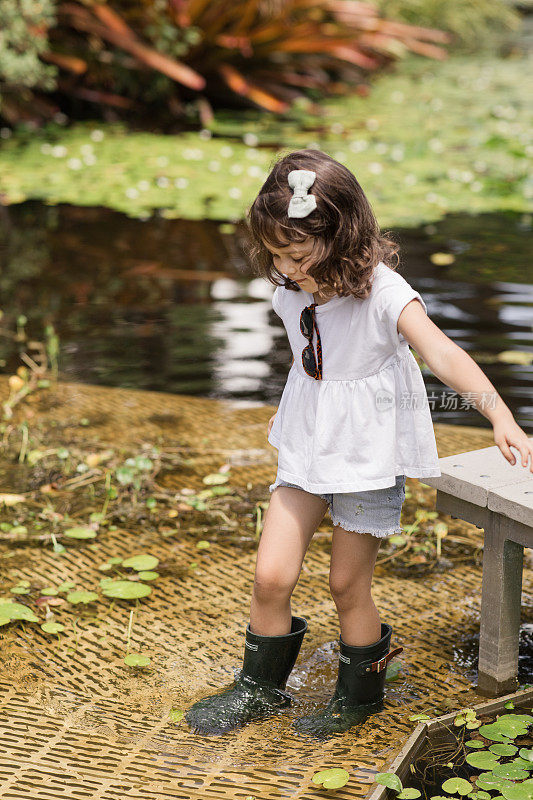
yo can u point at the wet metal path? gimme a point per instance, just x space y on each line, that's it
76 723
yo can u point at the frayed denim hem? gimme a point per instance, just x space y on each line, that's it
378 534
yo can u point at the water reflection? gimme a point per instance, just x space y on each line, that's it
171 305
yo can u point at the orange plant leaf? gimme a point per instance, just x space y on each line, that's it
71 63
238 83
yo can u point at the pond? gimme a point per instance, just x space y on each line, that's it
171 305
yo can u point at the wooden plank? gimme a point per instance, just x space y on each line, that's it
471 476
514 501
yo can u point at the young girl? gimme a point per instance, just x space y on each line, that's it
353 421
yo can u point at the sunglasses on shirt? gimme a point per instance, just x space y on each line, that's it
312 365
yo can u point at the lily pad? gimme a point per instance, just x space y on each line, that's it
125 590
80 533
457 786
52 627
11 611
520 791
490 782
66 586
390 780
510 771
503 749
141 562
494 732
148 575
81 597
408 794
483 759
475 744
136 660
331 778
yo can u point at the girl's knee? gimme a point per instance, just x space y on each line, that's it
347 593
273 583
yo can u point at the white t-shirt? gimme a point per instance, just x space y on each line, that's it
368 419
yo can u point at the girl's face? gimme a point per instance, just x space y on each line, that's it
294 260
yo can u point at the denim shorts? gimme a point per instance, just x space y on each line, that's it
375 511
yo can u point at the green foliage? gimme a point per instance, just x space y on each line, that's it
474 24
20 44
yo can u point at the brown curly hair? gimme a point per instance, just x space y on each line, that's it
348 241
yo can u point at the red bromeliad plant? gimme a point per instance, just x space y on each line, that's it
260 53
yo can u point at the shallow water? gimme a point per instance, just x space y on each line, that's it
171 305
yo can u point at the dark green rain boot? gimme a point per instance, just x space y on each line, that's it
258 690
359 692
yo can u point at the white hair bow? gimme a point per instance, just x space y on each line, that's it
301 204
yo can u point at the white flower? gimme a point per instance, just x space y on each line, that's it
250 139
46 148
162 161
397 97
358 145
59 151
436 145
480 165
254 171
86 149
467 176
340 155
251 152
381 147
372 124
431 197
60 118
214 165
132 192
163 182
5 133
226 151
476 186
236 169
336 127
74 163
397 153
375 167
205 133
410 179
181 183
143 186
97 135
90 159
193 153
234 192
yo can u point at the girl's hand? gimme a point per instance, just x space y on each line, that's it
271 422
507 432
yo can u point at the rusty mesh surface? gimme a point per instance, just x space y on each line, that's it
76 723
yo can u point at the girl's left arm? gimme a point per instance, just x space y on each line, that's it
454 367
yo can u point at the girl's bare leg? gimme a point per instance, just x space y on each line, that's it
291 519
353 556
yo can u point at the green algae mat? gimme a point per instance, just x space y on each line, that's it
432 138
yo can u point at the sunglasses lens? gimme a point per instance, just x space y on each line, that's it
306 323
308 360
